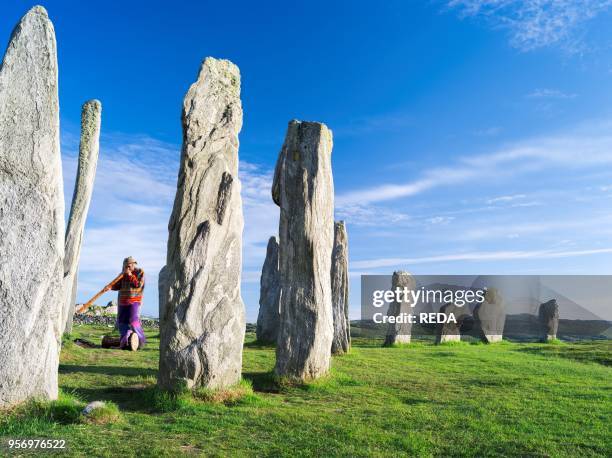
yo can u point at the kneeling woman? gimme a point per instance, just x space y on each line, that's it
130 289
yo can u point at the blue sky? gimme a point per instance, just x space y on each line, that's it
470 136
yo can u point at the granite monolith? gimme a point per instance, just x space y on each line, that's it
89 148
31 213
303 189
268 317
203 324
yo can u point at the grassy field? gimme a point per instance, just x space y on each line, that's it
419 400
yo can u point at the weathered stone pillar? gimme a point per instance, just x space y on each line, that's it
303 189
340 291
549 320
490 316
31 213
400 333
83 188
269 295
202 328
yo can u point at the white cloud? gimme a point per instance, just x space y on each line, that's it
440 219
549 94
535 23
430 179
505 198
595 225
475 256
261 214
370 215
581 147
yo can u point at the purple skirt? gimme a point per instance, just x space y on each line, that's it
128 322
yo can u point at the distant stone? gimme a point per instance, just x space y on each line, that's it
490 316
162 290
549 320
400 333
269 295
203 324
340 291
86 172
303 189
31 213
450 331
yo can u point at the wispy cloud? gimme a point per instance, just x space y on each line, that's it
535 23
549 94
496 200
581 147
504 229
476 256
370 215
430 179
440 219
261 214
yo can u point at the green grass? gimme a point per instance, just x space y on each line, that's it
505 399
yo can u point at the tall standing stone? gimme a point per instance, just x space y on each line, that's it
303 189
83 188
340 291
400 333
31 213
490 316
549 319
203 325
269 295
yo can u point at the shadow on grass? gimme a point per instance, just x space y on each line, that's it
584 353
108 370
412 401
134 398
260 345
264 382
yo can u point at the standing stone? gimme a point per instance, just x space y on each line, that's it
450 331
269 295
340 291
162 290
83 188
549 320
303 189
490 316
400 333
31 213
203 325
